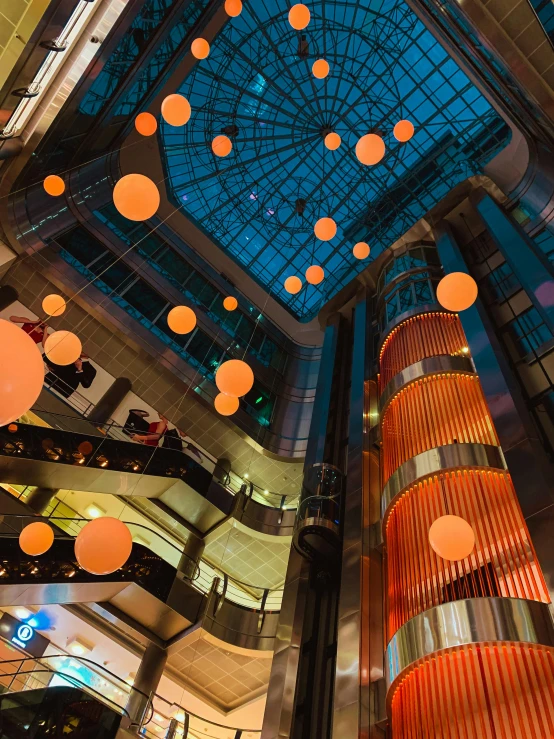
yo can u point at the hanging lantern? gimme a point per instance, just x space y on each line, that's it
315 274
181 319
136 197
457 291
36 538
452 538
54 185
176 110
325 229
200 48
54 305
370 149
299 16
230 303
226 405
361 250
233 7
146 124
293 285
320 69
63 347
332 141
103 546
222 146
403 131
234 377
21 372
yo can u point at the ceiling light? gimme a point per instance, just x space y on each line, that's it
79 647
95 511
22 613
179 716
246 476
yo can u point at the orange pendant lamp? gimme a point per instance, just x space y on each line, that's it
54 305
403 131
234 377
315 274
325 229
233 8
200 48
54 185
222 146
21 372
320 69
146 124
181 319
299 16
103 546
361 250
332 141
36 538
457 291
370 149
293 285
176 110
230 303
136 197
226 405
63 347
452 538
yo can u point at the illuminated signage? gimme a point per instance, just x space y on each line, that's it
22 635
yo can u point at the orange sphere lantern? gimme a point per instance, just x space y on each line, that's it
63 347
54 305
136 197
146 124
36 538
103 546
200 48
21 372
370 149
403 131
230 303
299 16
176 110
325 229
181 319
320 69
226 405
315 274
293 285
361 250
234 377
54 185
457 291
233 8
452 538
222 146
332 141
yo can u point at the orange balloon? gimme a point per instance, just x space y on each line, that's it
222 146
230 303
325 229
136 197
332 141
103 545
457 291
370 149
320 69
226 405
181 319
54 185
36 538
234 377
299 16
54 305
452 538
293 285
176 110
200 48
21 372
146 124
63 347
233 7
315 274
403 131
361 250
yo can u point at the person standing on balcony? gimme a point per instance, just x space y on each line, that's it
156 431
65 379
37 330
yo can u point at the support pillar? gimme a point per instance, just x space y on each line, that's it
190 559
145 685
112 398
40 498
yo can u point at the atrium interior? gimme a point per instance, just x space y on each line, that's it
276 369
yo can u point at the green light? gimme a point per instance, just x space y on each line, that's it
259 400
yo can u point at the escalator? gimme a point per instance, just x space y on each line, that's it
58 712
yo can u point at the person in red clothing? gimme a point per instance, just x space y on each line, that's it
156 431
37 330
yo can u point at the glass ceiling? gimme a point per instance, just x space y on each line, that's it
261 202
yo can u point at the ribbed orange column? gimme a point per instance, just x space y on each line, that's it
502 564
489 691
426 335
432 412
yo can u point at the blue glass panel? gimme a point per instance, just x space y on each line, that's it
260 203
